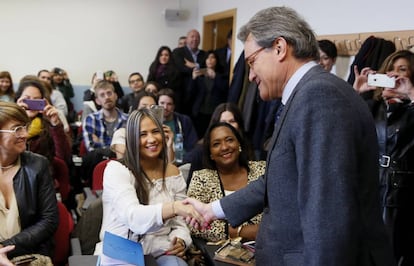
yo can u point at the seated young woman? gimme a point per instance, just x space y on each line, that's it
227 170
142 195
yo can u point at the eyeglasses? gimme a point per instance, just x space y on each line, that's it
19 131
134 80
250 60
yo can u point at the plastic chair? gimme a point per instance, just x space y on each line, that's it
61 174
97 176
62 235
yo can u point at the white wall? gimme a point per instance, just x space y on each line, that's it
83 36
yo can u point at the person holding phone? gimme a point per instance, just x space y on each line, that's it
393 112
208 89
46 132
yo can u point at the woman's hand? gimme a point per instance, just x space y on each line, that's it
361 79
177 248
4 261
51 114
196 73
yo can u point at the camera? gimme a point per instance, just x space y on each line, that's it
381 80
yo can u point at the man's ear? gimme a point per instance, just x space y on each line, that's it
280 46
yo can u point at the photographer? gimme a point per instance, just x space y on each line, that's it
61 82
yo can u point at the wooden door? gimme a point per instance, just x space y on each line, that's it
215 29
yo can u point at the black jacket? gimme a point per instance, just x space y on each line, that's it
36 201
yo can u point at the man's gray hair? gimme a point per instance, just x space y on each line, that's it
271 23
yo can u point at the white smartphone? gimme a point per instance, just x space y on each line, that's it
99 75
381 80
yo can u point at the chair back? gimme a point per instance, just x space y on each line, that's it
97 175
62 235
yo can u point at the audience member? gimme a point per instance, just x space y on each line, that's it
152 87
164 71
187 58
136 84
61 82
224 112
181 41
208 89
227 169
142 194
28 212
46 134
319 194
393 113
224 56
6 87
56 97
89 103
145 100
99 127
112 77
178 123
327 54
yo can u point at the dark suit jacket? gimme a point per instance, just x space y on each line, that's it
182 96
319 195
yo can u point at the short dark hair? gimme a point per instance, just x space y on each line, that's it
329 48
167 92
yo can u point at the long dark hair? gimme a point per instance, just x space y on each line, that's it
238 117
211 164
156 62
132 155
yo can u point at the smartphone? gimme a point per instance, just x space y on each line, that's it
158 112
203 71
381 80
35 104
100 75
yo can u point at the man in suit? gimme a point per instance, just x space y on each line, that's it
186 59
319 195
224 57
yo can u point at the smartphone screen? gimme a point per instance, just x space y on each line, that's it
35 104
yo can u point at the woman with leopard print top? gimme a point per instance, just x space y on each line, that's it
227 170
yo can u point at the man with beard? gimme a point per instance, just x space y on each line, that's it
99 127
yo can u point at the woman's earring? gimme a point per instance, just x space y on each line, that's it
240 149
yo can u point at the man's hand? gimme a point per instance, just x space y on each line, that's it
204 210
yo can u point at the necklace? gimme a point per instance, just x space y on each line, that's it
9 166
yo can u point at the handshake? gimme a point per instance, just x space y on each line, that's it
197 214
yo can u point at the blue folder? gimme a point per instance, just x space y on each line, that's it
120 248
